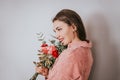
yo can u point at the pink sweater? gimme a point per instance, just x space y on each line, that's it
74 63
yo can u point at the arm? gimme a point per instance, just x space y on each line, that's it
68 68
76 66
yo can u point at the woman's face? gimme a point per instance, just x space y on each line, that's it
64 32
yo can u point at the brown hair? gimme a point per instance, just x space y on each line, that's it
71 17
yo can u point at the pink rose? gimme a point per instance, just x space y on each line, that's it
44 50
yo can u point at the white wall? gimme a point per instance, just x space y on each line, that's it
20 20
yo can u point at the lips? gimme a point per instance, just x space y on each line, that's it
61 39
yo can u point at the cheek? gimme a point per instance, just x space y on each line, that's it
63 33
69 35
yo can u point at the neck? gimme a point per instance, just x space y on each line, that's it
75 39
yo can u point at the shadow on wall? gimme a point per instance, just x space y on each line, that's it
105 52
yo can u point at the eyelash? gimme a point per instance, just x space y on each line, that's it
59 29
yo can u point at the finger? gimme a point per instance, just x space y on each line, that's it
39 70
44 74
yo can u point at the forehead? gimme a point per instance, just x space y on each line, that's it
58 23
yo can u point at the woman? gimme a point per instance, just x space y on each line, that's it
76 61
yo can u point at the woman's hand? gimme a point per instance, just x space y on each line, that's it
42 70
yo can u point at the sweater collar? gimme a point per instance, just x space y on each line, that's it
80 43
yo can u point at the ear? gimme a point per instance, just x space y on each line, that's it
74 27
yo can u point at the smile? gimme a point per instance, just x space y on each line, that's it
61 39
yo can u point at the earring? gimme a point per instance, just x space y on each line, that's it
74 30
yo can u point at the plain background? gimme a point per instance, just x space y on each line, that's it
20 20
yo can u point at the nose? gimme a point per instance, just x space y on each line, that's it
57 35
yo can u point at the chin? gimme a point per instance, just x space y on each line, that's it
65 44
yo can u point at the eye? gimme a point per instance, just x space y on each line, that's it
59 29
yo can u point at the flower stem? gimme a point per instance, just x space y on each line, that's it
34 76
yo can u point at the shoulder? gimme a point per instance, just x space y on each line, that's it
79 54
73 55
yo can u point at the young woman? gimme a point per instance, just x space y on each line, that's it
76 61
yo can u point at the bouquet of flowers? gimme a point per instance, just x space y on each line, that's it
47 53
